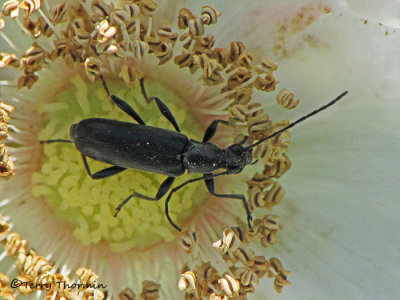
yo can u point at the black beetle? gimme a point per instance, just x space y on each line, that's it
139 146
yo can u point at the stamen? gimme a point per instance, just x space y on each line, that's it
148 7
286 99
4 202
30 5
9 42
229 93
229 285
3 255
209 15
187 282
127 294
189 240
56 12
123 29
137 27
58 17
150 290
11 8
279 273
133 10
22 27
150 25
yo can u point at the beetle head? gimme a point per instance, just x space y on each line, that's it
238 157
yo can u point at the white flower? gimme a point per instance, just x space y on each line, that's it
340 212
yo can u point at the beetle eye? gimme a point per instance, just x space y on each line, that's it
236 149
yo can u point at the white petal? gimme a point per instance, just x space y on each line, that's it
386 12
340 215
263 24
259 23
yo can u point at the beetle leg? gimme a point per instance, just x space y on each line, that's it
181 186
107 172
127 108
163 189
55 141
211 129
210 183
122 104
161 106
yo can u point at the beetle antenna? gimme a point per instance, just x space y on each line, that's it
299 120
105 85
254 162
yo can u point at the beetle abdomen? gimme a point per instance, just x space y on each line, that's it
131 145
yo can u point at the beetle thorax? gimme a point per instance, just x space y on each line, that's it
207 157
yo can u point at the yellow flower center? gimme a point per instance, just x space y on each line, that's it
89 205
